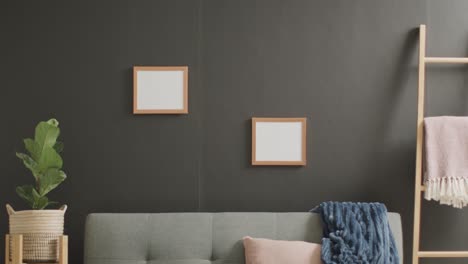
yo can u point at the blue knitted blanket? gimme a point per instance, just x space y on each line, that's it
356 233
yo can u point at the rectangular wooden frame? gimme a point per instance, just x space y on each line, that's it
302 162
136 69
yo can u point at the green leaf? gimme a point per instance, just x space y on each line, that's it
54 122
44 155
30 164
47 133
50 180
42 147
49 159
33 148
58 146
28 193
40 203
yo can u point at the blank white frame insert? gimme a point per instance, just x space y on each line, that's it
160 90
279 141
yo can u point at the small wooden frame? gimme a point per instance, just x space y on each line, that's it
279 141
160 89
14 255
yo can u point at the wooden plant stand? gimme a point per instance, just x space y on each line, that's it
16 255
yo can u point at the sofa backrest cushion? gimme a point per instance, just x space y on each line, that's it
195 238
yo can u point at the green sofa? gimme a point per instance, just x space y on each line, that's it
195 238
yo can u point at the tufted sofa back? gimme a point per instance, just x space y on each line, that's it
194 238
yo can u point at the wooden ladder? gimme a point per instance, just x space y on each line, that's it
419 187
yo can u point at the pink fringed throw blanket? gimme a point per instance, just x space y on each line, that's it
446 160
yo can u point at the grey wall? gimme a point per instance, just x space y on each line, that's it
349 66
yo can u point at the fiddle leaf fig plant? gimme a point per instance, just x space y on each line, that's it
44 162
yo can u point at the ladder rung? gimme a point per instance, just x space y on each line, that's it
445 60
443 254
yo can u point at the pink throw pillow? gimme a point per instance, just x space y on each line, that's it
267 251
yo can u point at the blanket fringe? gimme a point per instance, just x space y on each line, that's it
451 191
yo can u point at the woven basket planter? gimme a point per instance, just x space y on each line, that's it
40 229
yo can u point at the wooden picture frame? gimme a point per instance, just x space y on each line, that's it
160 89
279 141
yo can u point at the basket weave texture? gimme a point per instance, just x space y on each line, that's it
41 230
